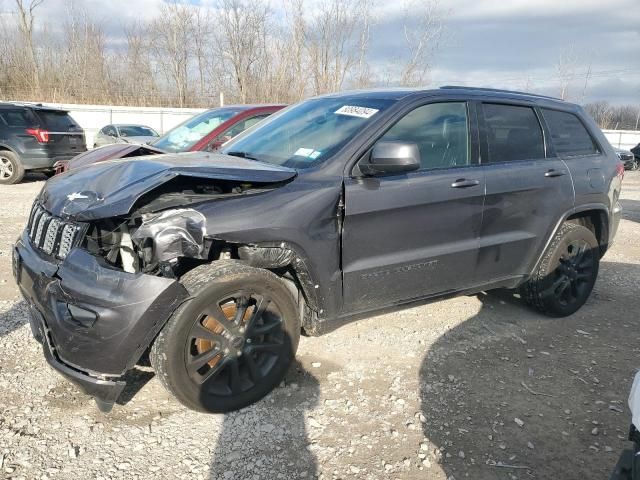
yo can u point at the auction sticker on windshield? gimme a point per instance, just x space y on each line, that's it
355 111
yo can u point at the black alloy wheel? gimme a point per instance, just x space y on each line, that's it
574 273
234 343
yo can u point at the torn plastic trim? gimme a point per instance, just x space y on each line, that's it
281 255
171 234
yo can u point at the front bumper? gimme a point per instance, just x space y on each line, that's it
93 321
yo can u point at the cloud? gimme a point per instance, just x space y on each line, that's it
517 45
514 44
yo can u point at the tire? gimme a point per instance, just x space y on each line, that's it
566 274
636 164
212 357
11 169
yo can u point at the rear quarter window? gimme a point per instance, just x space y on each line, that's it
569 135
16 118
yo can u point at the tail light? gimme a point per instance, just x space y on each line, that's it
41 135
620 170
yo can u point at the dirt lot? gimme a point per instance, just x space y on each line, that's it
475 387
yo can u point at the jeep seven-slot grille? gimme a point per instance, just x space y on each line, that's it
52 235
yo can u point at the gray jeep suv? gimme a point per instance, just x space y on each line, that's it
333 209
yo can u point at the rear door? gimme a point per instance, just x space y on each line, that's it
66 137
527 191
589 167
413 235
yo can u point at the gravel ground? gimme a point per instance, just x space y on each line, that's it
474 387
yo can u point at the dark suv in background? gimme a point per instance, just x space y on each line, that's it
34 137
334 209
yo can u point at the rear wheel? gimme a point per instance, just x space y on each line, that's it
635 164
567 273
232 342
11 169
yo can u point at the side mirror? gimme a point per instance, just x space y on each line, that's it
392 158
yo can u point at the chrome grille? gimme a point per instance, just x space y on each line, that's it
51 234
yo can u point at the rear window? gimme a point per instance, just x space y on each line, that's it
513 133
16 118
570 136
57 121
136 131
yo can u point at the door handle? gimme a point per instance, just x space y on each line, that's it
554 173
464 183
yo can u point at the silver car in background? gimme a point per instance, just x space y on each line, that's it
120 133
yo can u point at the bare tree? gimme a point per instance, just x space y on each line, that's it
241 32
363 72
172 35
330 44
26 16
423 29
565 68
602 113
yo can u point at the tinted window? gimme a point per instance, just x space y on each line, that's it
16 118
569 135
441 132
136 131
513 133
57 121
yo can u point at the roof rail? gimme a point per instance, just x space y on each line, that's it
497 90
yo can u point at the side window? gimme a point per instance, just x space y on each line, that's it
513 133
111 131
241 126
441 131
569 135
15 118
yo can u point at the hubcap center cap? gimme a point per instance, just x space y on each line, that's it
237 342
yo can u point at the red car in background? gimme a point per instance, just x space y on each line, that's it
205 131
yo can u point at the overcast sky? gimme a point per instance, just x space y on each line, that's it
499 43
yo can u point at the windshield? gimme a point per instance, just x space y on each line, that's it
136 131
190 132
307 133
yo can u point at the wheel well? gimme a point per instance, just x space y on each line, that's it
596 221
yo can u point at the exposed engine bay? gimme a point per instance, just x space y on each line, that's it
162 229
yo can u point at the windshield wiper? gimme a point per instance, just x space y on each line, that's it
243 155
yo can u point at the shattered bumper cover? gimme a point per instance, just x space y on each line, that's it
93 321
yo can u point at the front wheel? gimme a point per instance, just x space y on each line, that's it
567 272
11 169
232 342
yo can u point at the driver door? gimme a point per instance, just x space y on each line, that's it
416 234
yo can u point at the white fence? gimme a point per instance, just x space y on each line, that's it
93 117
624 139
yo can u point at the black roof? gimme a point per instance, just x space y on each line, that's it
399 93
35 106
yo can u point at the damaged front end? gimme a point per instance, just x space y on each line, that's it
99 260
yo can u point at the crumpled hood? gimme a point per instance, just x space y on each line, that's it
111 188
112 152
